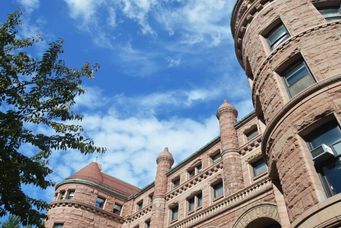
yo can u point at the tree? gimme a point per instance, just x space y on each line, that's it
13 221
35 93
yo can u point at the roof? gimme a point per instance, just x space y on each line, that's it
92 172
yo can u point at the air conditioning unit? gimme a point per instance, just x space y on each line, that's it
322 153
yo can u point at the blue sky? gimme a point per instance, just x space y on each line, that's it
165 67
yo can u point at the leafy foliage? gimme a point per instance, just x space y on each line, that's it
35 93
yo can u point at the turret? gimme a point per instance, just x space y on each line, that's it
233 176
164 163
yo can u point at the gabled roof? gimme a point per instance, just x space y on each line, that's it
92 172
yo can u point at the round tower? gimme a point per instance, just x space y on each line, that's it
291 53
233 176
164 163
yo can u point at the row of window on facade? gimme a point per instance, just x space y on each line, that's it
195 201
324 141
258 167
297 76
99 203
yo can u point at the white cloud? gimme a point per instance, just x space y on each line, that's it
84 9
29 5
138 10
198 21
133 144
112 21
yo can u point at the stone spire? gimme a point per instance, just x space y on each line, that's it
233 176
164 163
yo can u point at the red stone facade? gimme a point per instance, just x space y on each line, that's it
291 53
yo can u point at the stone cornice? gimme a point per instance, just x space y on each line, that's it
265 146
138 214
257 83
225 204
250 146
92 184
238 25
90 208
195 180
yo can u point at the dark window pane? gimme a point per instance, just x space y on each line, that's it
259 167
176 182
191 172
58 225
326 134
277 35
218 190
100 202
296 73
117 209
332 174
216 157
297 78
70 194
331 14
252 134
174 213
199 196
191 204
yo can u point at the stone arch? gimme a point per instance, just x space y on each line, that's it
262 210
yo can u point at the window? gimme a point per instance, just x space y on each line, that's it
100 202
199 200
194 201
174 212
330 13
139 204
251 134
259 167
297 78
117 209
218 189
277 35
62 195
216 157
176 182
150 197
70 194
58 225
194 170
327 165
147 223
191 203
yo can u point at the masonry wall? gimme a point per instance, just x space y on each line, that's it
318 43
80 211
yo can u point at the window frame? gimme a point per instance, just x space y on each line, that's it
249 133
216 157
70 194
58 225
253 163
139 204
293 67
115 209
172 217
194 169
271 29
330 123
329 5
194 197
176 182
213 185
96 202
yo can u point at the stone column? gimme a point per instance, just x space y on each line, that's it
164 163
232 167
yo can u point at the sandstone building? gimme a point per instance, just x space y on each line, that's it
291 53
